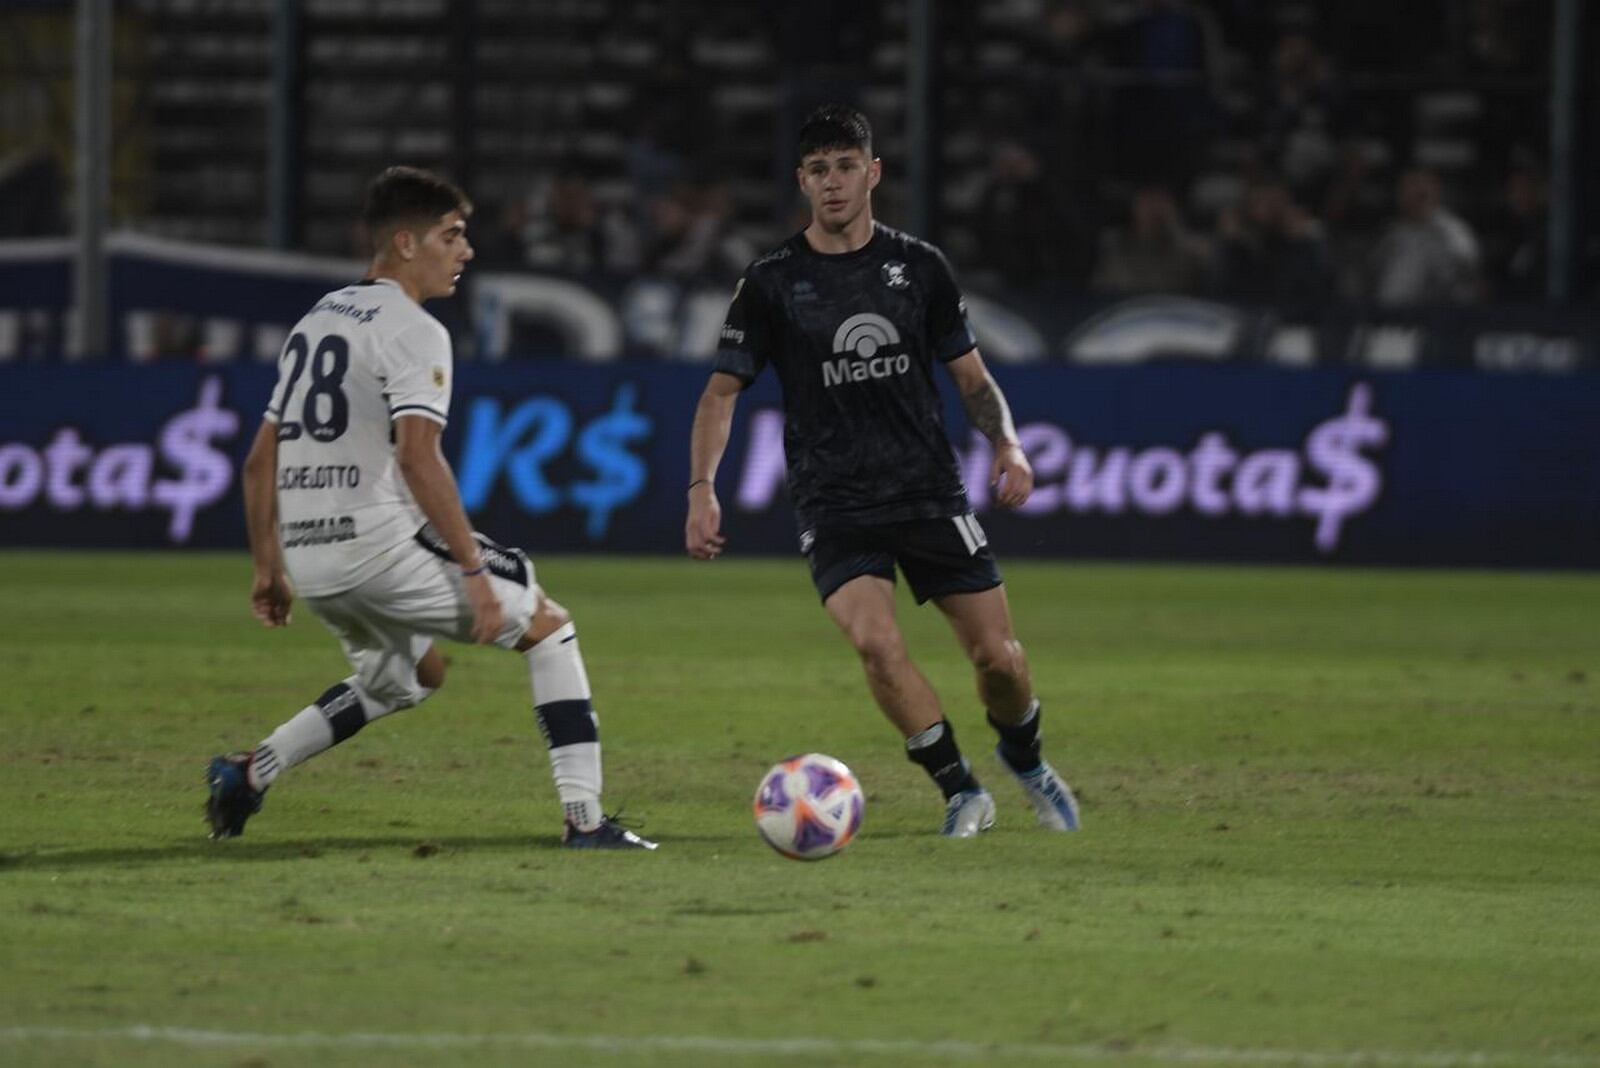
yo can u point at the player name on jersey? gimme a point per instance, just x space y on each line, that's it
321 476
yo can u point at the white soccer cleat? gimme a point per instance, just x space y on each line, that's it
968 813
1049 794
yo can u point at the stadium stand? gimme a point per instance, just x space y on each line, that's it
650 134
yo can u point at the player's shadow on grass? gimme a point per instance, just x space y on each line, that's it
421 848
204 850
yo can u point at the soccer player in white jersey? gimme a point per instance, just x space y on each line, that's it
350 502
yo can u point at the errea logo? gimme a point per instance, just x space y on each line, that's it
857 344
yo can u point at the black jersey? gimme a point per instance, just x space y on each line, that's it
854 337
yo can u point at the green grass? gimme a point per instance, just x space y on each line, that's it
1327 812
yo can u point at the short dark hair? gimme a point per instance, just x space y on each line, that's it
835 126
410 196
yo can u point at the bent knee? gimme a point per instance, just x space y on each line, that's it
878 648
999 657
430 671
548 618
551 616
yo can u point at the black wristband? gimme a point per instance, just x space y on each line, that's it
697 482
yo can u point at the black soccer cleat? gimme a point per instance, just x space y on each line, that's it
230 800
608 835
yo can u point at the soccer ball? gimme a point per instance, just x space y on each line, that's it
808 807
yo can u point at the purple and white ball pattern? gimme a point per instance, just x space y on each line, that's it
808 807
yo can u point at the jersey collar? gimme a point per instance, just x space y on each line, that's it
804 246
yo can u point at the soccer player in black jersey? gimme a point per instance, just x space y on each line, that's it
853 317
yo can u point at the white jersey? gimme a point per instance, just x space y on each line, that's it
362 356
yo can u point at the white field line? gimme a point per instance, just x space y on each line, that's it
634 1045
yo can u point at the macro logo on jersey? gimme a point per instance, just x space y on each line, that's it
859 348
864 335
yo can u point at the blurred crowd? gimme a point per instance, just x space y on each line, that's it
684 229
1238 148
1276 150
1225 148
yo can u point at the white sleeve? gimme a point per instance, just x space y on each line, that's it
274 412
417 367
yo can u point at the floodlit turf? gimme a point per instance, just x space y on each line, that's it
1327 813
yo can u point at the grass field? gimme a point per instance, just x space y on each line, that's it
1331 818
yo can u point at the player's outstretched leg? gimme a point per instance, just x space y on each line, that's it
1048 792
564 708
968 808
236 783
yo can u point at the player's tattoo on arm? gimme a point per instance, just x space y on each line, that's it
986 407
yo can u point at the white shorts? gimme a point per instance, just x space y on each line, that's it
389 622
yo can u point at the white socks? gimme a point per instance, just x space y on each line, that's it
341 711
570 727
561 703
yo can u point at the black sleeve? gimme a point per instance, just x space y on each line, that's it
746 340
948 330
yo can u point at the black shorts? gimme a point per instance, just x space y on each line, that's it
938 556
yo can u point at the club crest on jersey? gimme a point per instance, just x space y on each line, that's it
894 275
860 348
438 378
